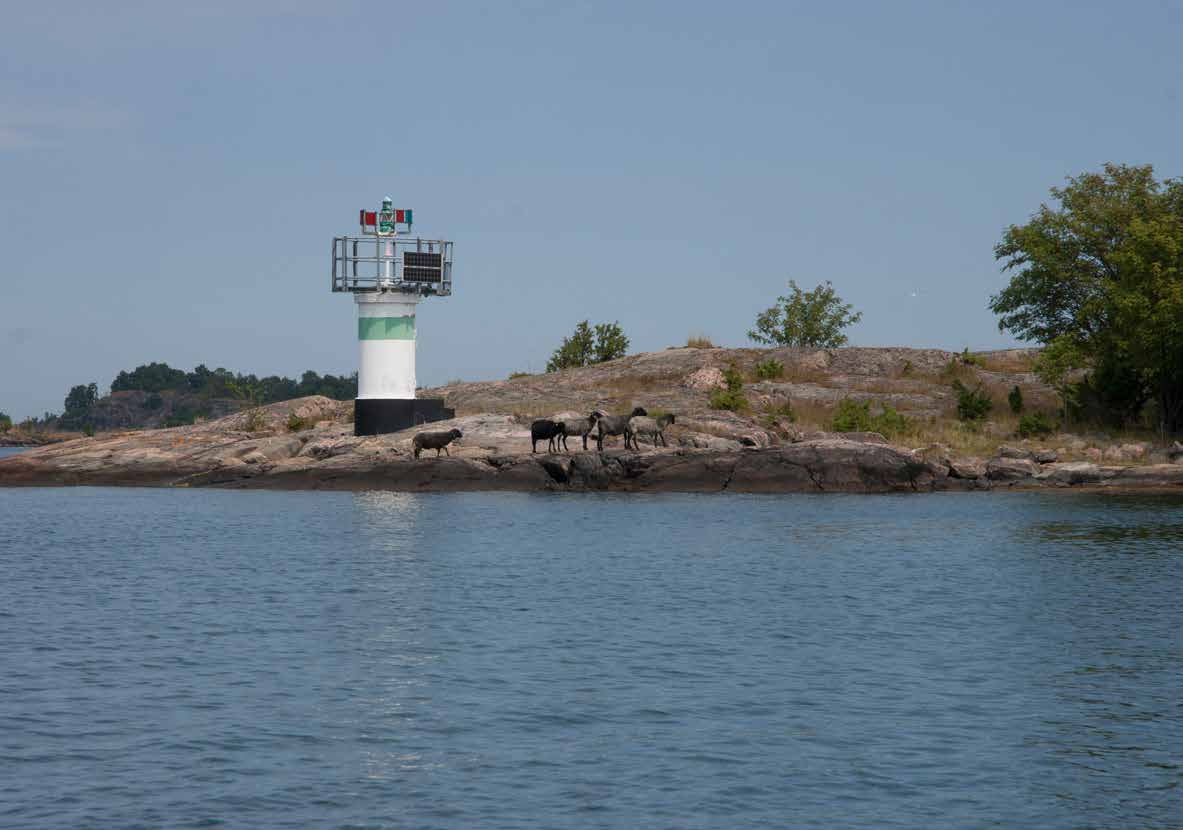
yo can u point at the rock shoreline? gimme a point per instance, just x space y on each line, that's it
494 455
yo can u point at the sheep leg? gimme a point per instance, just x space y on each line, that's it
447 453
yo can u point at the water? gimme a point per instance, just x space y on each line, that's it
258 660
7 451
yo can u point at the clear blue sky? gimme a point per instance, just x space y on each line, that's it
171 174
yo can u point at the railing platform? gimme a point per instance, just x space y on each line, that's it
410 264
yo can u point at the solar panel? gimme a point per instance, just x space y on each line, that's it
422 267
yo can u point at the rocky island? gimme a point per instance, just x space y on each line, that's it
777 442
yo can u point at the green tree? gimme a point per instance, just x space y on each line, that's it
586 346
814 319
1055 367
5 422
1098 277
611 342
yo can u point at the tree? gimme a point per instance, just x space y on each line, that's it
585 346
1055 365
813 319
80 399
611 342
1099 277
5 422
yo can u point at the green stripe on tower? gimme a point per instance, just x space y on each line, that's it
386 328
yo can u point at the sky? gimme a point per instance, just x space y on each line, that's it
171 175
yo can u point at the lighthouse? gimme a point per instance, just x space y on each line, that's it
389 271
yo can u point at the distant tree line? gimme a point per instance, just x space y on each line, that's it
222 383
155 378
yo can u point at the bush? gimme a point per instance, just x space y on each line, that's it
1015 399
298 424
88 430
180 418
255 421
855 416
1035 425
513 375
972 404
153 402
770 369
731 398
5 422
968 359
779 412
699 341
907 370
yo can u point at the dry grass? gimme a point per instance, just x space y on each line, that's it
803 374
1006 362
699 341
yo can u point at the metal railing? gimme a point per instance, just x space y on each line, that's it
392 263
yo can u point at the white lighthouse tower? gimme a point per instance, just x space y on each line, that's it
389 273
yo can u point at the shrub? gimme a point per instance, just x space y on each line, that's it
1035 425
255 421
972 404
298 424
1015 399
968 359
699 341
5 422
855 416
852 416
513 375
88 430
770 369
730 398
779 412
153 402
907 370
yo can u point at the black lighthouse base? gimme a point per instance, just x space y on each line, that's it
378 416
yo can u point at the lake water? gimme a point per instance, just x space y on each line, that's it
332 660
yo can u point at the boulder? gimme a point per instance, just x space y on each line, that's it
861 437
1073 473
706 379
1010 469
1175 453
1047 456
967 468
1015 452
1150 475
703 441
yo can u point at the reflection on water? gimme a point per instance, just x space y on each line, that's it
502 660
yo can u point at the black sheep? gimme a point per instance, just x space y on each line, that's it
548 429
435 441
